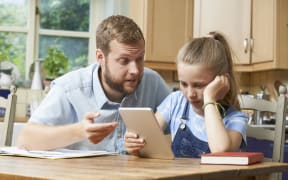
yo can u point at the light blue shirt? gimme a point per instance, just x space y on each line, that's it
80 91
172 110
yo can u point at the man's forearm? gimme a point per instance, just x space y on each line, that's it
42 137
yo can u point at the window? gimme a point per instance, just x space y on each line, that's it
29 27
13 35
65 24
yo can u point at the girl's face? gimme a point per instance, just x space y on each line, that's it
193 79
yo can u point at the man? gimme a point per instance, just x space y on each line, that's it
81 109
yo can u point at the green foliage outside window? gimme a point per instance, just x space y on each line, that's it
12 48
13 14
5 49
72 15
12 45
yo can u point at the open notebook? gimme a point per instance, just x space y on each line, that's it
55 154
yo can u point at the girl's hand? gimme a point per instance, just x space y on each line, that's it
133 143
217 89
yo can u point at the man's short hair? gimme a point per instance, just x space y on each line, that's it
120 28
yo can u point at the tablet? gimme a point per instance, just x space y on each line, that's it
143 122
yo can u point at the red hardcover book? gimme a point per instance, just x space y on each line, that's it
233 158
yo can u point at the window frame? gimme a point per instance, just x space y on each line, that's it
33 31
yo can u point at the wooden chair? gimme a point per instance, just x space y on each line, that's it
260 132
27 99
9 105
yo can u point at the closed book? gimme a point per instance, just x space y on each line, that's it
233 158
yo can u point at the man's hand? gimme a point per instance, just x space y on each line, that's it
96 132
133 143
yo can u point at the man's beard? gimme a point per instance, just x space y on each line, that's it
117 86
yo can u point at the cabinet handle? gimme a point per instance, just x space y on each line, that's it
251 44
245 45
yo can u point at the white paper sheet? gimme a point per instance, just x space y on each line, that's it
55 154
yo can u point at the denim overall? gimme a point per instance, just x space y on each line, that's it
185 144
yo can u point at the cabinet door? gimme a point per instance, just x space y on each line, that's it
231 18
167 25
262 31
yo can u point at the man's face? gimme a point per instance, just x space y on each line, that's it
123 67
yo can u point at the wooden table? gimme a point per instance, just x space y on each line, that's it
128 167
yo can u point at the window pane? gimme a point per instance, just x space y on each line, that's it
12 49
112 7
70 15
76 49
8 15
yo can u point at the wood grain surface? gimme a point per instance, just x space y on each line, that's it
128 167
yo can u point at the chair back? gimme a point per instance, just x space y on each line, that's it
275 134
9 105
27 101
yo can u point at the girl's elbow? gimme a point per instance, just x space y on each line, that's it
222 148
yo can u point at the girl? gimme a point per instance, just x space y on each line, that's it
204 116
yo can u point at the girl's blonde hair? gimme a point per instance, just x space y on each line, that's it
214 52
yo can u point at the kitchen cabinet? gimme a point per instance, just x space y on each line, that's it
257 30
167 25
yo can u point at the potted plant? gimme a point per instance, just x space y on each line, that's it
55 64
